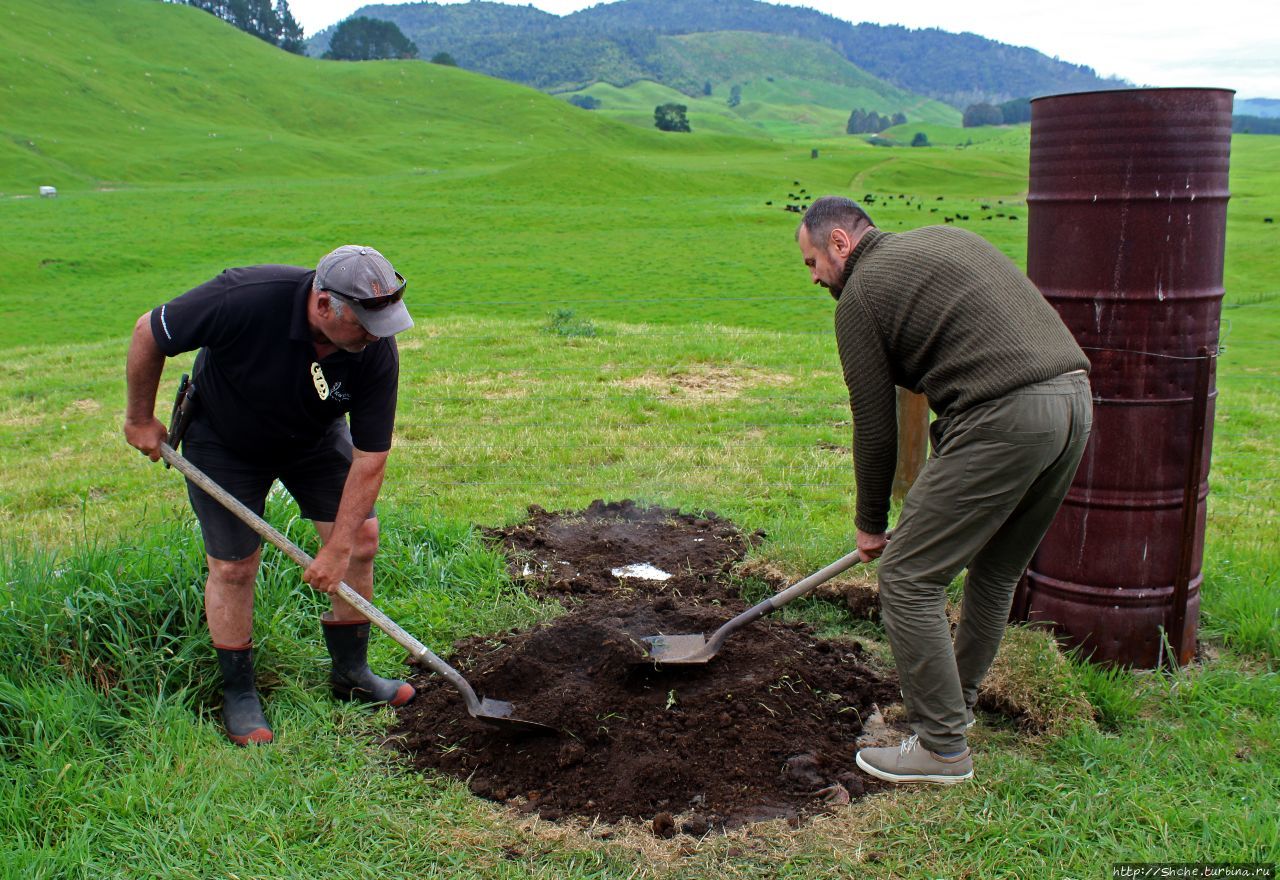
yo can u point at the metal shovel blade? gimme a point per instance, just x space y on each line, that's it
498 714
693 650
677 650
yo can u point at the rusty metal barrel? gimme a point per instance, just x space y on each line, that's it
1126 234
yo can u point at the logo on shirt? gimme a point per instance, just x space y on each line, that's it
338 394
317 377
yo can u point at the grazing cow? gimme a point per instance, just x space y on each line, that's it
949 219
1267 220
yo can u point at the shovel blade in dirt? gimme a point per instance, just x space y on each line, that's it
696 649
677 650
497 713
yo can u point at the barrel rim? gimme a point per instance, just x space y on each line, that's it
1135 89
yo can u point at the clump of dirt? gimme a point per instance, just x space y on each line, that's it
577 553
766 730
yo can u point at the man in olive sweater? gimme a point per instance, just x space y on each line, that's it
941 312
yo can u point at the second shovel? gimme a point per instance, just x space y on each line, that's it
696 649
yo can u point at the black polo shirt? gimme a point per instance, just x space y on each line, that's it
259 384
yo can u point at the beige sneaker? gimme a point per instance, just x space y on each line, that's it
912 762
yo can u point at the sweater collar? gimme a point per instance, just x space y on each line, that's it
868 241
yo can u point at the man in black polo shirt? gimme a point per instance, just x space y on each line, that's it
285 354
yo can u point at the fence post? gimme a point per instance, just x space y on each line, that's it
913 440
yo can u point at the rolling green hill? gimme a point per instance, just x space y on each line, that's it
787 86
169 93
809 93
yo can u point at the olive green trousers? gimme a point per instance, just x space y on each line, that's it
983 501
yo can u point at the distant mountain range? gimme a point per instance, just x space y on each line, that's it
631 40
1266 107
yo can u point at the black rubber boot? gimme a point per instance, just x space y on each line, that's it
348 643
241 711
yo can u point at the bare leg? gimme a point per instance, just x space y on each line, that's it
228 599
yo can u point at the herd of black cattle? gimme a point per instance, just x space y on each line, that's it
799 200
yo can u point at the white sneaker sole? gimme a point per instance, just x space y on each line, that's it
918 777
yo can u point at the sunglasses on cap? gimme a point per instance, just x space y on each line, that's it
373 303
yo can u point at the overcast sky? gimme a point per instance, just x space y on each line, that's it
1225 44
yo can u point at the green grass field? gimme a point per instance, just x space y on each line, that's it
180 147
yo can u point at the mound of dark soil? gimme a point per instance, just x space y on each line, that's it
577 552
766 729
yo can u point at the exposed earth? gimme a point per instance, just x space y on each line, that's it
767 729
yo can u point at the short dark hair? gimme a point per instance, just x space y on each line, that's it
833 212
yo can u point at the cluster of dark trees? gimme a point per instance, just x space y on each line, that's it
862 122
586 102
1255 125
671 117
265 19
1008 113
368 39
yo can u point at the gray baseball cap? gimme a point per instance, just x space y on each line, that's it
364 280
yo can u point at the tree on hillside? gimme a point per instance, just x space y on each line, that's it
369 39
671 117
920 140
976 115
735 96
586 102
862 122
444 58
268 21
1015 111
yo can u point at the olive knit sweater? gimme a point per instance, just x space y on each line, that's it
941 312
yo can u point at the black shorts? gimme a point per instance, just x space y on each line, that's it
315 478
